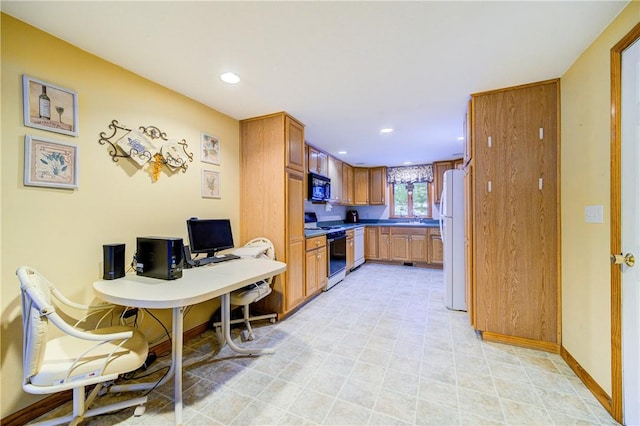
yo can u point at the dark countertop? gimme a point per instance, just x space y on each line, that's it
424 223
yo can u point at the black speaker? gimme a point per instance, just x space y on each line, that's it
113 261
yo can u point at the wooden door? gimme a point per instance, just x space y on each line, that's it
515 212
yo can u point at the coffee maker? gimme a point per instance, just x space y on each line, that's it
352 216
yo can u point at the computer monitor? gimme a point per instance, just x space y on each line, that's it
209 235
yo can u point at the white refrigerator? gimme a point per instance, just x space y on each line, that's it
452 232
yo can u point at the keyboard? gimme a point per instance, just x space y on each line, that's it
216 259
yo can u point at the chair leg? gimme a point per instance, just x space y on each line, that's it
79 405
249 334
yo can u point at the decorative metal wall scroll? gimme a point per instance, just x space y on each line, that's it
147 144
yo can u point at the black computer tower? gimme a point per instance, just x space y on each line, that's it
159 257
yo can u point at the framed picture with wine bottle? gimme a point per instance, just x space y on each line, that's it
49 107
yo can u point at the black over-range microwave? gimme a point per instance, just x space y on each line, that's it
319 188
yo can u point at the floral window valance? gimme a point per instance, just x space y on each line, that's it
404 174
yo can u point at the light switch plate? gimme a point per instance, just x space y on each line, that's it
594 214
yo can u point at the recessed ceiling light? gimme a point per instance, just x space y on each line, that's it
342 152
460 138
386 130
229 77
406 163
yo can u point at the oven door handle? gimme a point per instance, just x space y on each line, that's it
330 240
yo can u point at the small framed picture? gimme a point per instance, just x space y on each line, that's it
210 184
49 107
50 163
210 149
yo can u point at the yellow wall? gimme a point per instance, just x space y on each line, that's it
61 232
586 100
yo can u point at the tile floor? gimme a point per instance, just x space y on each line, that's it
380 348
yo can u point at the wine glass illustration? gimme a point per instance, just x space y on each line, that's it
60 110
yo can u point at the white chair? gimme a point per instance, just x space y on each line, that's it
78 358
259 248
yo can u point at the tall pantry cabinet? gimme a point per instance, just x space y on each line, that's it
272 200
514 213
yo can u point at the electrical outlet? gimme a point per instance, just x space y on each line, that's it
594 214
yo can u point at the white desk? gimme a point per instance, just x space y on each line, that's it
196 285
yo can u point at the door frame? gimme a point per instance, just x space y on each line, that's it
616 218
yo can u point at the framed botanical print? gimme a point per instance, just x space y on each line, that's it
210 149
50 163
49 107
210 184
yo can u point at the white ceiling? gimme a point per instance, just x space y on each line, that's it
345 69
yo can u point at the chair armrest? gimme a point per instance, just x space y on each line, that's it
72 304
62 325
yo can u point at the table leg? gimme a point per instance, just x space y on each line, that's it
177 361
225 314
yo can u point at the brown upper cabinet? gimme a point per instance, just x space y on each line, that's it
439 167
350 186
294 146
318 161
347 184
335 174
361 186
377 185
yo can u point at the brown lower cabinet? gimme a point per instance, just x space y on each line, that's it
316 272
371 245
421 245
384 242
436 250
